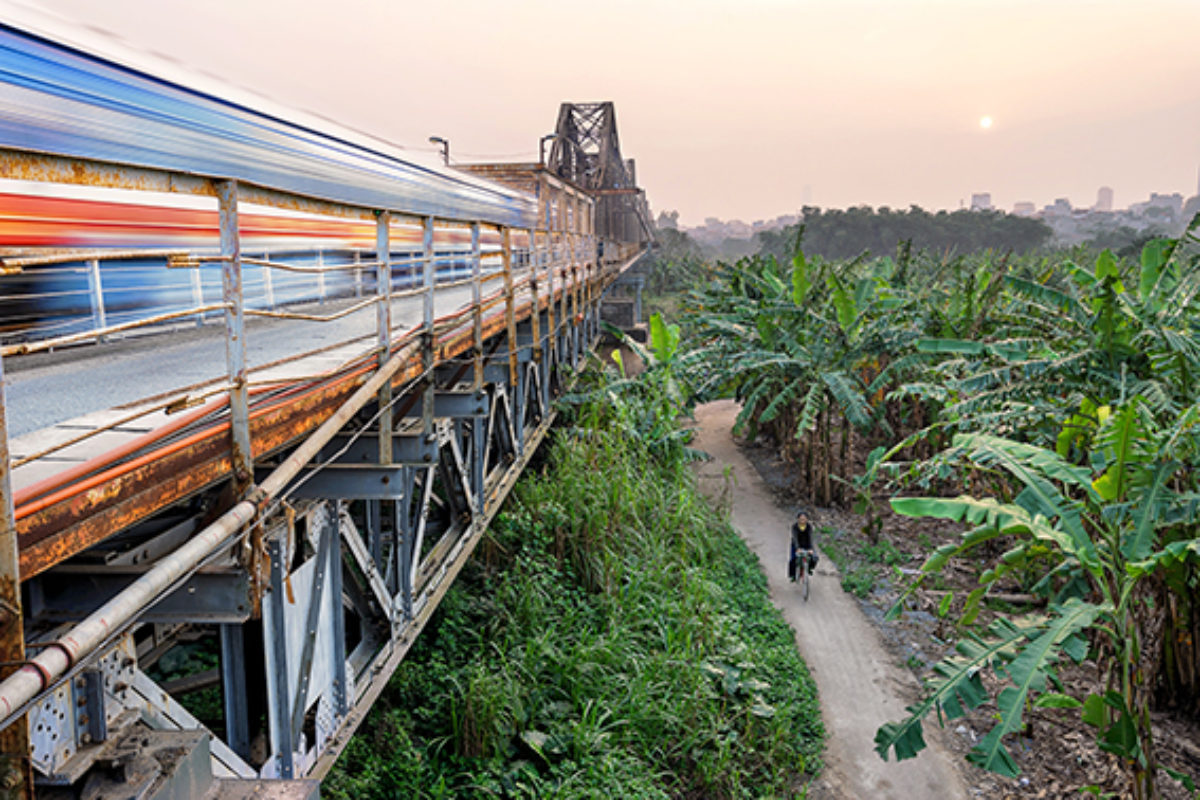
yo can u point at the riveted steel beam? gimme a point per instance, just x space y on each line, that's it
383 325
353 482
66 594
363 448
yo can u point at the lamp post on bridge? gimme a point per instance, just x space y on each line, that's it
542 147
445 145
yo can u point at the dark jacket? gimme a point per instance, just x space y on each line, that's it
802 538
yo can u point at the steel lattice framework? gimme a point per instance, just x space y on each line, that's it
587 152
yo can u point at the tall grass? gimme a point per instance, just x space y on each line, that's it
612 638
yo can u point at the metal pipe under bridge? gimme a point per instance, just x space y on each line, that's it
263 384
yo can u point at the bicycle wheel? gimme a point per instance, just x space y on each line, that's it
805 575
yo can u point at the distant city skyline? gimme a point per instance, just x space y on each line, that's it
980 201
745 109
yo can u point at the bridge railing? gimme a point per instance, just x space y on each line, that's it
62 299
545 257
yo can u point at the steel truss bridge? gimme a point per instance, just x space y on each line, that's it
264 382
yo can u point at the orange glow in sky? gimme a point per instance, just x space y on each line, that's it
732 107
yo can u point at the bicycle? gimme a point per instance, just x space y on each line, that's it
805 557
801 570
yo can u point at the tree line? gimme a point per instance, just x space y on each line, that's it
839 234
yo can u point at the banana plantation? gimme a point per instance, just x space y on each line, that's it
1050 405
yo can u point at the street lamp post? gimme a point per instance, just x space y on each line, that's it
542 147
445 143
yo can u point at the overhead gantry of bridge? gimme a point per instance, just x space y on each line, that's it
263 384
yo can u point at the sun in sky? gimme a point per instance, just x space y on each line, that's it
985 123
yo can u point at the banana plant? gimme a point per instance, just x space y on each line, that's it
1113 524
791 346
1075 334
649 405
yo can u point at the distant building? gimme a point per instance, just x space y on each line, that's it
1104 199
1167 208
668 220
981 201
1060 208
1167 202
1024 209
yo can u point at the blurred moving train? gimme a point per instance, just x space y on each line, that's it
100 254
73 99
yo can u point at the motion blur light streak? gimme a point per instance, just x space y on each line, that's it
55 298
37 217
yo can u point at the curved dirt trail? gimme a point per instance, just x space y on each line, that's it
859 686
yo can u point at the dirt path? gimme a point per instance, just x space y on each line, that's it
859 686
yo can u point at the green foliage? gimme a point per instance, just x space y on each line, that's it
882 552
191 658
1026 652
613 639
1107 531
859 581
674 263
840 234
797 349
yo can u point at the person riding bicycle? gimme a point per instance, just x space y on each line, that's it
802 539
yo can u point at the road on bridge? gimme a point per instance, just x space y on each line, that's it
858 685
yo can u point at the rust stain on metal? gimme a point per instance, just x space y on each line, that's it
58 169
72 525
101 494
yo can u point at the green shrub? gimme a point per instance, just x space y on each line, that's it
859 582
616 641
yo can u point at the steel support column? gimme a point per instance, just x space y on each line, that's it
478 424
510 325
551 330
96 292
197 284
233 690
235 334
535 297
429 265
383 324
341 697
280 718
402 555
14 739
564 312
299 704
268 283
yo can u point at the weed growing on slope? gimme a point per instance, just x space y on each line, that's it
611 638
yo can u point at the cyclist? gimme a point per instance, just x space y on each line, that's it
802 539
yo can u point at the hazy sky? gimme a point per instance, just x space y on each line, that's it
739 108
